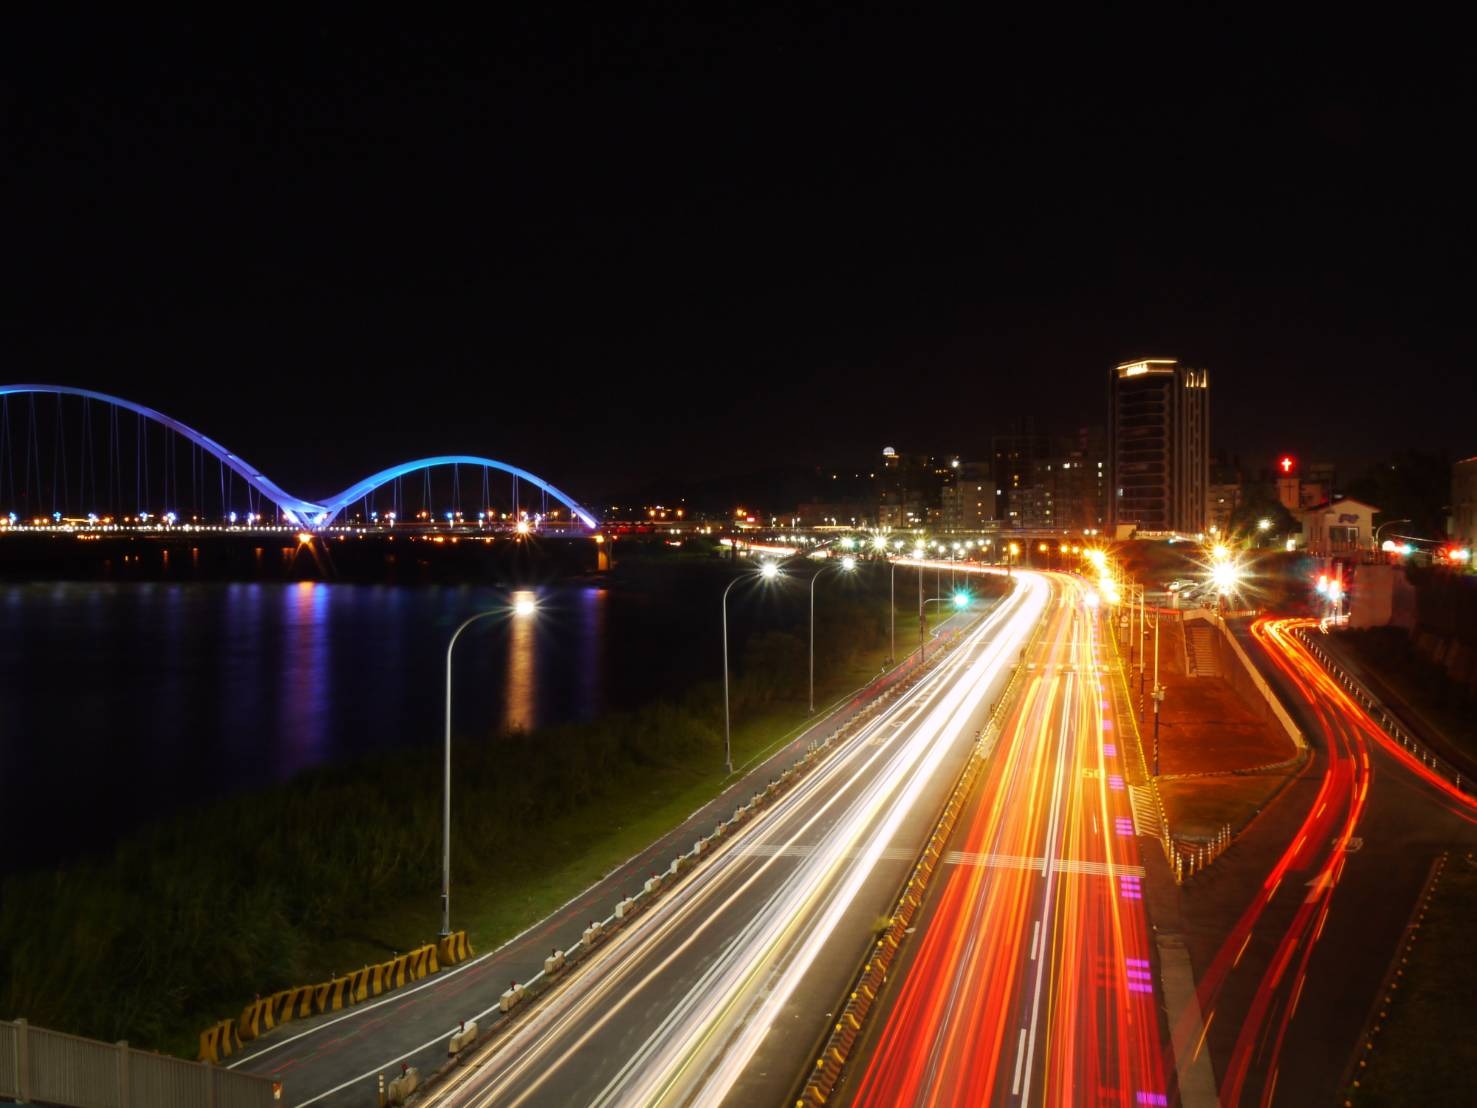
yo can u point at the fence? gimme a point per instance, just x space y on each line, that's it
1382 716
53 1068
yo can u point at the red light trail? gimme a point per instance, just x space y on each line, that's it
1318 850
1032 981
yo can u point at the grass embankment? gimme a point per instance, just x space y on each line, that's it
1426 1052
181 924
1423 684
1210 735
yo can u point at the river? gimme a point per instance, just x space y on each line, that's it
123 702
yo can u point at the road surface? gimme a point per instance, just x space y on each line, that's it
719 992
1030 981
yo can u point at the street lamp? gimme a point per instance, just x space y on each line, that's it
523 608
768 571
848 564
1382 526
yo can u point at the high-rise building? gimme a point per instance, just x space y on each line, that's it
1016 457
968 498
1159 445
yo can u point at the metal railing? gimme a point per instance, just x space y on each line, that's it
1382 716
51 1067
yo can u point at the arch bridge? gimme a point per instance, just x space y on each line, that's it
60 460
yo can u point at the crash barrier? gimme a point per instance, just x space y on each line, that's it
625 909
820 1082
463 1037
221 1040
49 1067
399 1090
1383 718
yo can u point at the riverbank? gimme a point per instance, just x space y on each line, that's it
187 920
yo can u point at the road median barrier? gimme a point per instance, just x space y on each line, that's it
400 1089
462 1038
511 998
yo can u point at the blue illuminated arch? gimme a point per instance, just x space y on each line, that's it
335 504
298 511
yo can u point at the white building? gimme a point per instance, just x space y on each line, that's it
1338 528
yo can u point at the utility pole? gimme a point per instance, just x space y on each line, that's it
922 623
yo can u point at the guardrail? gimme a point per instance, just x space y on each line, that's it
1382 716
50 1067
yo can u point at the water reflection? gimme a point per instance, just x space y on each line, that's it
302 723
520 684
183 692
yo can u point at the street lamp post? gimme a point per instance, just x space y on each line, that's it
848 564
1158 694
767 570
892 614
1382 526
521 608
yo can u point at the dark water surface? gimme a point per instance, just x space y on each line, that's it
119 702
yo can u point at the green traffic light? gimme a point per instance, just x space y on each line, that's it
961 599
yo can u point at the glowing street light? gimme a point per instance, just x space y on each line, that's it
1264 525
768 571
1225 576
524 606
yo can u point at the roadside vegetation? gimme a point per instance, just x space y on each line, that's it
1426 1051
182 923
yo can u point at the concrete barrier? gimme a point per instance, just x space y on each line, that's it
463 1037
400 1089
256 1019
454 948
219 1042
512 996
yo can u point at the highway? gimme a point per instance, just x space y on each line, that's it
1029 981
1315 941
720 991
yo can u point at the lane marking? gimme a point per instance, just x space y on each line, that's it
1078 867
1020 1054
1035 938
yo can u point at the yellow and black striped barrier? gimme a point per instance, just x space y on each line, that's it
220 1041
223 1039
455 948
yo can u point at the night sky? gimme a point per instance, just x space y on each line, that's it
668 245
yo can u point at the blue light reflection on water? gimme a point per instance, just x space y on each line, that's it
121 701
